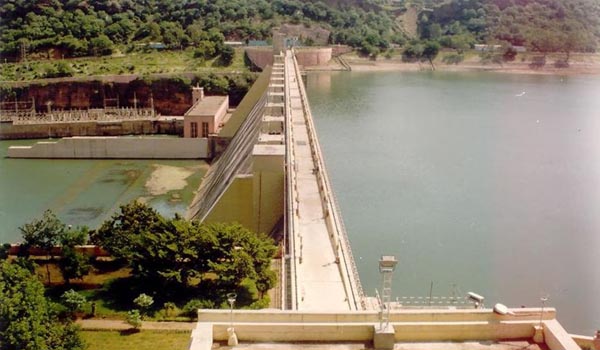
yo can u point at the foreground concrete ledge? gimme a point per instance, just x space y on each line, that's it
441 325
399 315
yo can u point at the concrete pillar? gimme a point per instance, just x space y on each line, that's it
384 337
268 185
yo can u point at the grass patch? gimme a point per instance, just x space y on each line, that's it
155 340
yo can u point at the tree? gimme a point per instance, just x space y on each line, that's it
227 54
73 301
27 319
100 46
144 301
73 264
44 233
180 252
122 234
134 319
431 50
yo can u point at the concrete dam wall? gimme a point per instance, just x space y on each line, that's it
309 56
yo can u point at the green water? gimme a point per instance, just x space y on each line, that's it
81 192
478 182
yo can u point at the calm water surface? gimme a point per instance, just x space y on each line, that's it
478 182
81 192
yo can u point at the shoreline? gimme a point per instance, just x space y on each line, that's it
577 67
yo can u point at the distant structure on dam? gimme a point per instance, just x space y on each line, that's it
271 177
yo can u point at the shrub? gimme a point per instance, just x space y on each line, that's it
73 300
453 58
134 319
191 308
144 301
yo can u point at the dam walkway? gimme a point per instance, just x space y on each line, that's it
324 274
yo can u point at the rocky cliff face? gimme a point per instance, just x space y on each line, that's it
170 96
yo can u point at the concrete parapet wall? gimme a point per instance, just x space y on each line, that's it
115 147
409 325
556 337
313 56
308 56
407 316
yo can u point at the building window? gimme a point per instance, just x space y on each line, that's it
204 129
193 129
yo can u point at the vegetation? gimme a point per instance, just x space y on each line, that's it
134 319
155 340
62 28
73 301
177 253
163 268
140 63
73 29
542 26
28 321
49 232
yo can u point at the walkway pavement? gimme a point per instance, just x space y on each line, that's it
320 286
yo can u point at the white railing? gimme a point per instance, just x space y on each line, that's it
290 206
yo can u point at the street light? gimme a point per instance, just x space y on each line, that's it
231 300
543 300
232 337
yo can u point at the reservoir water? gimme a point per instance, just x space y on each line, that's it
475 181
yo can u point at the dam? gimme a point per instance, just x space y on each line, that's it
271 177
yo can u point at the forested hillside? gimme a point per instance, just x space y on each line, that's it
541 25
79 28
98 27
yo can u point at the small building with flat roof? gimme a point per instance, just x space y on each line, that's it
205 117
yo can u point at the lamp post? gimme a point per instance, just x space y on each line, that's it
232 337
543 300
538 335
231 300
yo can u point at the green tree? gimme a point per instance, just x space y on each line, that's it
122 235
44 234
73 264
227 55
100 46
144 301
134 319
73 301
431 50
27 319
181 252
